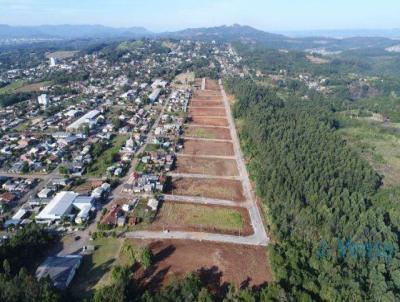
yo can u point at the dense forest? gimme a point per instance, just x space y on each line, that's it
19 257
336 234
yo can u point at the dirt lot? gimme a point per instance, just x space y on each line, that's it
211 188
209 121
212 85
204 94
217 263
207 132
207 112
208 166
206 103
202 218
199 147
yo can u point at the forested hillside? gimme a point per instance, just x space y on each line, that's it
336 234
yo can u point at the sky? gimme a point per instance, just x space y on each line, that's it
165 15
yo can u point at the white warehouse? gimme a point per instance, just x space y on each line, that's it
63 205
89 119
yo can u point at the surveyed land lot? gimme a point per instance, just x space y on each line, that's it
209 121
208 166
196 111
192 217
217 263
208 148
210 188
208 132
206 103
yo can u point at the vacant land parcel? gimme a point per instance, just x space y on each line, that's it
211 188
208 148
194 217
207 166
208 132
217 263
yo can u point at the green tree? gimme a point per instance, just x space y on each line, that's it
63 170
25 167
145 257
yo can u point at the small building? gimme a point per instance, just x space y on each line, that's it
43 100
17 218
153 204
45 193
61 270
52 62
154 95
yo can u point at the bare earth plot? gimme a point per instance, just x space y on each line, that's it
205 103
204 218
212 85
217 263
202 147
207 93
209 121
208 166
207 112
211 188
208 132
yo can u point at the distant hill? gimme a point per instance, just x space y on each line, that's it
70 32
226 33
233 33
250 35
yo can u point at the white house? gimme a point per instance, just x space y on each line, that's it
153 204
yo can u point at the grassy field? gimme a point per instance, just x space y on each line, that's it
378 144
62 54
200 133
95 269
12 87
198 215
101 163
151 147
184 80
130 45
20 86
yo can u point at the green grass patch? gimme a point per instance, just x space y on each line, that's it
140 166
220 218
378 145
12 87
101 163
152 147
95 269
200 133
